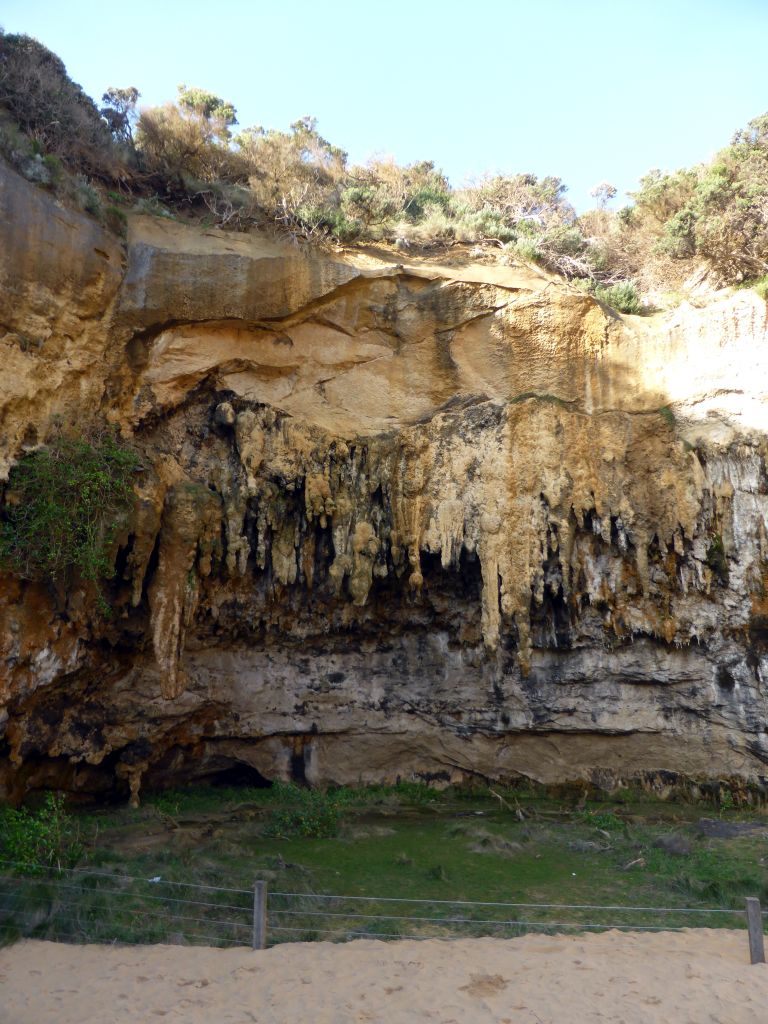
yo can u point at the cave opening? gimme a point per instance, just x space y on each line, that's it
186 769
298 767
238 775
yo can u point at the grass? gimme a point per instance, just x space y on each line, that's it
286 795
757 284
407 842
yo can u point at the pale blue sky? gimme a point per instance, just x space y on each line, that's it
588 90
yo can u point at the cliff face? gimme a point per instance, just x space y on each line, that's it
396 520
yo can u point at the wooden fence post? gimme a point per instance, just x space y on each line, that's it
259 915
755 928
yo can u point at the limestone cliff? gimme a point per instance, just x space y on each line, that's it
420 519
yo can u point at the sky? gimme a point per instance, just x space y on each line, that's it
587 90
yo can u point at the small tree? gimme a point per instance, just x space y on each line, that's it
522 197
120 112
207 105
294 176
188 141
603 193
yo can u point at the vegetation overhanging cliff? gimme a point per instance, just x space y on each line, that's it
189 159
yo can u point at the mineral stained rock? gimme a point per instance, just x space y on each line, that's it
440 519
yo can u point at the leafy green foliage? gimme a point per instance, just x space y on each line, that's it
119 112
606 820
715 211
207 105
63 507
622 296
38 840
116 220
53 165
317 818
186 143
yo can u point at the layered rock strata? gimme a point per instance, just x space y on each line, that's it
423 519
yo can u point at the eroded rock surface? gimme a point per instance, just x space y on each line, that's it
434 520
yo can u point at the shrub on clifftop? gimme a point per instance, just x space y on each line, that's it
187 142
184 159
51 109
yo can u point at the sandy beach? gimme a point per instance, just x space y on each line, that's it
693 977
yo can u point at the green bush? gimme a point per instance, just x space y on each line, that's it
668 416
428 195
187 143
116 220
64 504
715 211
54 167
527 251
622 296
86 196
317 818
331 221
606 820
38 840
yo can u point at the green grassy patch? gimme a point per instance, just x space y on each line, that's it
407 843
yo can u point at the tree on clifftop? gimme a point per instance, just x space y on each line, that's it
120 112
188 141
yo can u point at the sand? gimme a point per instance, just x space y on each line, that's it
694 977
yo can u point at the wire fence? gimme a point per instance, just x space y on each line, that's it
96 906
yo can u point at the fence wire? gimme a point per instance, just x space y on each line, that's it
84 905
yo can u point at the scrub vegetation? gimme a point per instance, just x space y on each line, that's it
190 159
37 841
63 507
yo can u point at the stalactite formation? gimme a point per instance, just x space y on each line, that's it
436 520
